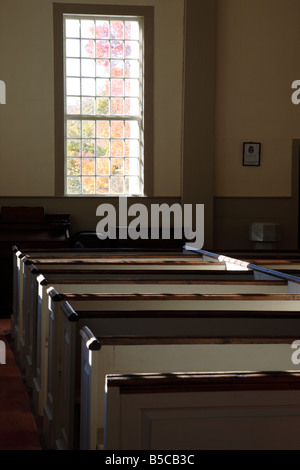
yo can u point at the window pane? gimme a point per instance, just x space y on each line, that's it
102 29
103 166
117 166
117 148
72 48
102 128
88 87
132 185
102 87
88 185
132 148
73 67
132 87
132 50
132 30
88 129
132 68
117 68
117 185
102 68
87 29
102 49
73 86
117 29
74 166
102 106
102 148
88 148
88 106
117 106
117 49
88 48
132 106
117 129
74 128
73 105
132 129
103 185
74 148
88 68
88 166
72 28
74 185
117 88
131 166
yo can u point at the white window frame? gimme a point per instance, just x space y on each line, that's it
111 117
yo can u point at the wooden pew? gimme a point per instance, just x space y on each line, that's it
155 266
225 318
259 272
37 350
152 265
20 258
229 263
208 411
55 262
37 355
107 265
20 342
101 356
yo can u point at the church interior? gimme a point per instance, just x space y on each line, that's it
214 326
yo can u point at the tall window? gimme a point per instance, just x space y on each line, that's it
103 105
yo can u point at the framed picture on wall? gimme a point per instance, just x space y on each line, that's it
251 153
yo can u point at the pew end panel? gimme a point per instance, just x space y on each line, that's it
202 412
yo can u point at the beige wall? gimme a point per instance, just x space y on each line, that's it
240 59
258 44
27 120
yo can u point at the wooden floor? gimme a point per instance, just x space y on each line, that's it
18 427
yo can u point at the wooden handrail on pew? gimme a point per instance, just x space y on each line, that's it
222 381
246 265
48 281
104 250
184 297
119 261
208 417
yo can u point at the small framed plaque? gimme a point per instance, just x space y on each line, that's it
251 153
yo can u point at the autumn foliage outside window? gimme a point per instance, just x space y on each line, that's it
103 105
